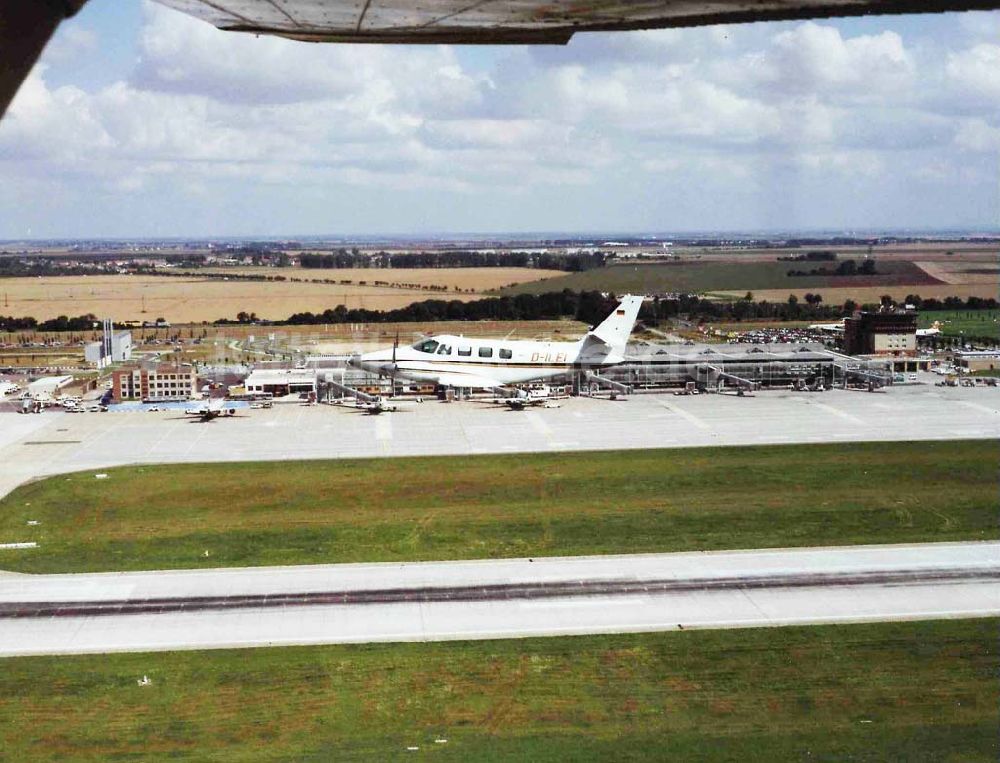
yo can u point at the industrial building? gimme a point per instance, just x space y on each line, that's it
162 382
977 360
114 347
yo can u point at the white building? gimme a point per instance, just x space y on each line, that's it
114 347
281 381
47 386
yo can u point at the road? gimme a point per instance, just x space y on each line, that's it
429 601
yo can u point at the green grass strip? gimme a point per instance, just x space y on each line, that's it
152 517
893 691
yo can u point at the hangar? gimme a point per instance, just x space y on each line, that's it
281 381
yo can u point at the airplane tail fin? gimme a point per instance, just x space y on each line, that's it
615 330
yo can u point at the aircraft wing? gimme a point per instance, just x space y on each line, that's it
26 25
517 21
461 379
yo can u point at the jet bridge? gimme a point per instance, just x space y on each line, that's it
590 382
719 376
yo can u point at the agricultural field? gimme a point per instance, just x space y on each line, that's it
872 294
707 276
551 504
453 279
194 299
963 322
917 691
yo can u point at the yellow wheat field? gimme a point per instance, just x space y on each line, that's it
186 299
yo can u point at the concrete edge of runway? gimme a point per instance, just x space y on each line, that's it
566 631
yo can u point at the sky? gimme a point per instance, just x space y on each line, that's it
139 121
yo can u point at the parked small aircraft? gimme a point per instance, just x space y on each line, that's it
212 409
467 362
541 395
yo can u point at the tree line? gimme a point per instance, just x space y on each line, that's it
845 268
344 258
62 323
587 306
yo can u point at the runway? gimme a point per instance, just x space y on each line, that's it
52 443
200 609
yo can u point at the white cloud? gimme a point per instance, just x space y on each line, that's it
977 135
976 71
723 112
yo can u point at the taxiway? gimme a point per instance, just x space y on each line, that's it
34 446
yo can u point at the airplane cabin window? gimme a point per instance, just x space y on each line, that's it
466 351
486 352
428 345
444 349
506 354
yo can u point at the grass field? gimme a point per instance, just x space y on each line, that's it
872 294
896 691
193 299
696 276
967 322
150 517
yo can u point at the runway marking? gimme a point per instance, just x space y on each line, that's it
842 414
688 417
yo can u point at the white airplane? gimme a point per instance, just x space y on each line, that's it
524 398
467 362
211 409
375 404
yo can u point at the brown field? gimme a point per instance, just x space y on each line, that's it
216 342
871 294
192 300
454 279
963 272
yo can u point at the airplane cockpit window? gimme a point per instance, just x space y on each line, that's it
428 345
444 349
506 354
465 351
486 352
